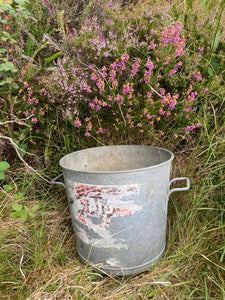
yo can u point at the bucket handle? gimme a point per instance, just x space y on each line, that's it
58 182
187 187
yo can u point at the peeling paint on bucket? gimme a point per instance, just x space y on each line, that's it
104 202
95 206
118 199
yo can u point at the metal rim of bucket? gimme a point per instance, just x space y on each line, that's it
122 171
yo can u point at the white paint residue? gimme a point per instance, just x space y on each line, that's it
113 262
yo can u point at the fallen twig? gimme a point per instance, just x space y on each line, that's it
17 149
18 121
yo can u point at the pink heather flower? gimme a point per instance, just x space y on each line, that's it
102 36
103 72
197 76
34 120
193 94
145 111
111 22
119 98
147 76
87 134
173 71
31 100
87 89
69 36
179 64
127 88
200 51
149 64
106 53
101 85
135 67
171 35
113 66
89 126
152 46
167 60
91 105
26 84
161 112
169 100
192 127
180 48
112 75
94 77
77 122
115 83
205 90
162 91
125 57
100 130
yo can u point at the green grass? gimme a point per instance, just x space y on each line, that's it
39 258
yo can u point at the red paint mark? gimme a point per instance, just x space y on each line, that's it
82 220
93 201
124 211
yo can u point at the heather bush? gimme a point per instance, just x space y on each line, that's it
21 64
123 73
129 77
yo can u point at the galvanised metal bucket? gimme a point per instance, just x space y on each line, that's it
118 199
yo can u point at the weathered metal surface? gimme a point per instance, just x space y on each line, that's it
118 201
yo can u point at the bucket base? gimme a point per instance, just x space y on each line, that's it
116 271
